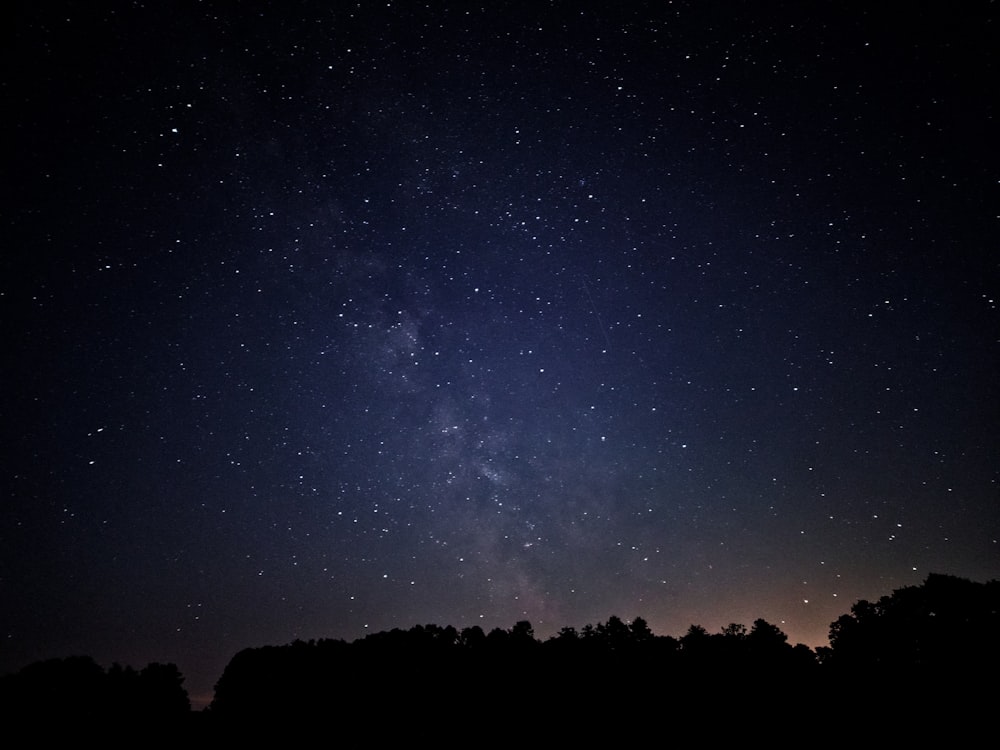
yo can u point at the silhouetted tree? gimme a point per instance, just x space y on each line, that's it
695 638
161 687
640 631
946 625
76 694
763 636
123 688
72 689
566 634
472 637
735 630
497 638
522 633
613 634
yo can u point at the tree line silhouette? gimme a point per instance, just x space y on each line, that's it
932 649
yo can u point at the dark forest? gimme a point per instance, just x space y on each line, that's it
923 659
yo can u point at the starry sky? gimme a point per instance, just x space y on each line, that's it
321 319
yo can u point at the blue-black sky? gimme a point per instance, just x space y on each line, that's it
327 318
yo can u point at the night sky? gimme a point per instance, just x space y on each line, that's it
321 319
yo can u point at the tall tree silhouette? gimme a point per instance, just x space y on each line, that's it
946 625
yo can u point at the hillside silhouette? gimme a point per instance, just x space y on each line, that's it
921 660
